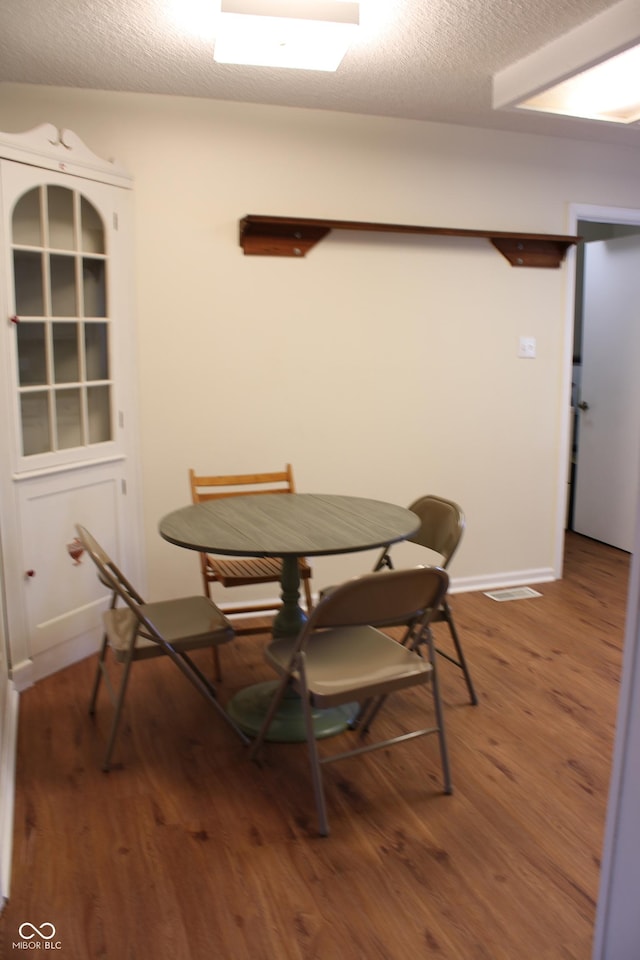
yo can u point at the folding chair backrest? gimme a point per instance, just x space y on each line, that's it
108 573
113 578
400 597
238 485
441 528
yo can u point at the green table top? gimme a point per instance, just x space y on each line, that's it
291 524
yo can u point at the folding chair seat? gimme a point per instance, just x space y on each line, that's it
136 630
234 572
341 656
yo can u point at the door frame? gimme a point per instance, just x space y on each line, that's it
595 214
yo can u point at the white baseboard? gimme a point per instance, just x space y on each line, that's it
497 581
8 744
230 610
22 675
28 672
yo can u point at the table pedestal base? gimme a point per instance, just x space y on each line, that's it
249 707
290 618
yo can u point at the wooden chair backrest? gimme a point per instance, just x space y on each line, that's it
237 485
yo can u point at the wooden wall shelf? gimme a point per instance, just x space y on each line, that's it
293 236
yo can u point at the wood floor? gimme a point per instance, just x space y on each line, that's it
189 851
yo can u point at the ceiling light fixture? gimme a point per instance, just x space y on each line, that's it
592 72
299 34
608 91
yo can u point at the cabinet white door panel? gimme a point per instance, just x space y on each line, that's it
64 598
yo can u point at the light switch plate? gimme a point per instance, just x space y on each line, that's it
527 348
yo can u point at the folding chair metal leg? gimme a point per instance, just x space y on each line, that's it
461 661
367 714
119 701
217 670
314 757
371 708
307 594
200 682
215 653
437 701
98 677
101 662
271 712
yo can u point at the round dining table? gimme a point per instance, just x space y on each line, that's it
288 526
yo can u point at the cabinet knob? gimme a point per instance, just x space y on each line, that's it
14 319
30 573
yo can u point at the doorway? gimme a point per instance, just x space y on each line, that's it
611 250
605 388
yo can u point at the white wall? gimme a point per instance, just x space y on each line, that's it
379 365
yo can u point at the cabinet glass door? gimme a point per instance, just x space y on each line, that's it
60 269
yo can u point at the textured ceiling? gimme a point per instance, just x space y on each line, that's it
417 59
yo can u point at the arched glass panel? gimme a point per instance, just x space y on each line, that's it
63 323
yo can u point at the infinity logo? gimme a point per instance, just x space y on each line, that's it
36 930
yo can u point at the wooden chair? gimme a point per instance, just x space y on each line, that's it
251 570
340 657
137 631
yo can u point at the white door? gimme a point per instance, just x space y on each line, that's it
68 447
608 449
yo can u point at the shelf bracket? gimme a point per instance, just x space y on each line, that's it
533 252
274 239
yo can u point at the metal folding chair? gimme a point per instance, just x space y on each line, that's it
340 656
441 527
140 631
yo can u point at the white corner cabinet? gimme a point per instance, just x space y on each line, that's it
68 422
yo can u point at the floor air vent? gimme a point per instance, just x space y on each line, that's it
513 593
